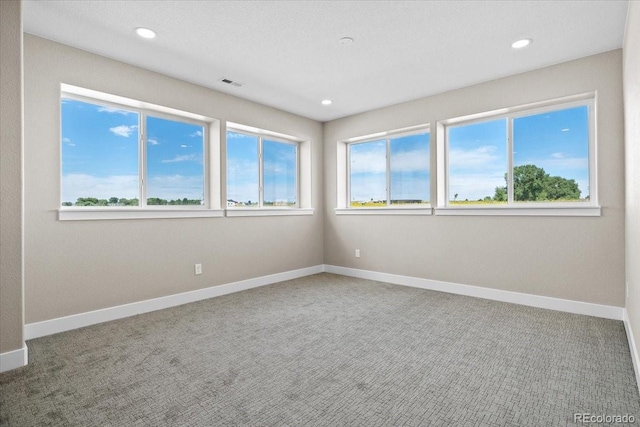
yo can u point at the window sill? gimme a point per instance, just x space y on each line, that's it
522 211
236 212
85 214
384 211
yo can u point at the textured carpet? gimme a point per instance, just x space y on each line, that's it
327 350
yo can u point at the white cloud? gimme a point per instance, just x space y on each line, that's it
234 135
126 186
111 110
183 158
183 146
123 130
474 186
68 142
240 168
176 187
369 173
196 133
82 185
242 192
478 158
369 162
153 141
559 164
411 161
373 187
565 130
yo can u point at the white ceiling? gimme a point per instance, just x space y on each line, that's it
287 55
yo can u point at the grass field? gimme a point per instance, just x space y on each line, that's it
382 204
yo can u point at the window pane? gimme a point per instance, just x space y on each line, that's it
551 156
478 163
368 173
410 169
279 173
242 170
175 169
99 155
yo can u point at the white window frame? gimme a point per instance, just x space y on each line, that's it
211 127
344 181
302 206
578 208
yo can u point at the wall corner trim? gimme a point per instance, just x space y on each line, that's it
569 306
14 359
632 347
75 321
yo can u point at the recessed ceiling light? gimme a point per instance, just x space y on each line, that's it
345 40
521 43
145 33
327 102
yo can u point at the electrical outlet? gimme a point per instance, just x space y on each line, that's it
198 268
357 253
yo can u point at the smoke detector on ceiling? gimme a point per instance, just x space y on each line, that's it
230 82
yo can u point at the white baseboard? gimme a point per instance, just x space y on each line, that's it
14 359
61 324
632 347
53 326
569 306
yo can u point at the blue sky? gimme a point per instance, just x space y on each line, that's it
279 168
409 169
100 154
555 141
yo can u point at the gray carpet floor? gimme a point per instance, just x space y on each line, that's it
327 350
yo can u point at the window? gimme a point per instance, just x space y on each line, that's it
175 166
534 157
129 157
262 171
390 171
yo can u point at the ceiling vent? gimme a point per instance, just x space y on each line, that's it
230 82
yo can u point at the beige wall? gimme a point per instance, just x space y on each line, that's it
631 51
577 258
11 301
78 266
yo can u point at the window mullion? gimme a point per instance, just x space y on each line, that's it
142 155
388 161
510 195
260 173
348 176
297 181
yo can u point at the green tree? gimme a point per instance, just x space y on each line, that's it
531 184
87 201
561 188
156 201
113 200
501 194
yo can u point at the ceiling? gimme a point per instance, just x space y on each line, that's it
287 55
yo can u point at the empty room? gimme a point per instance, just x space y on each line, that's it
319 213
